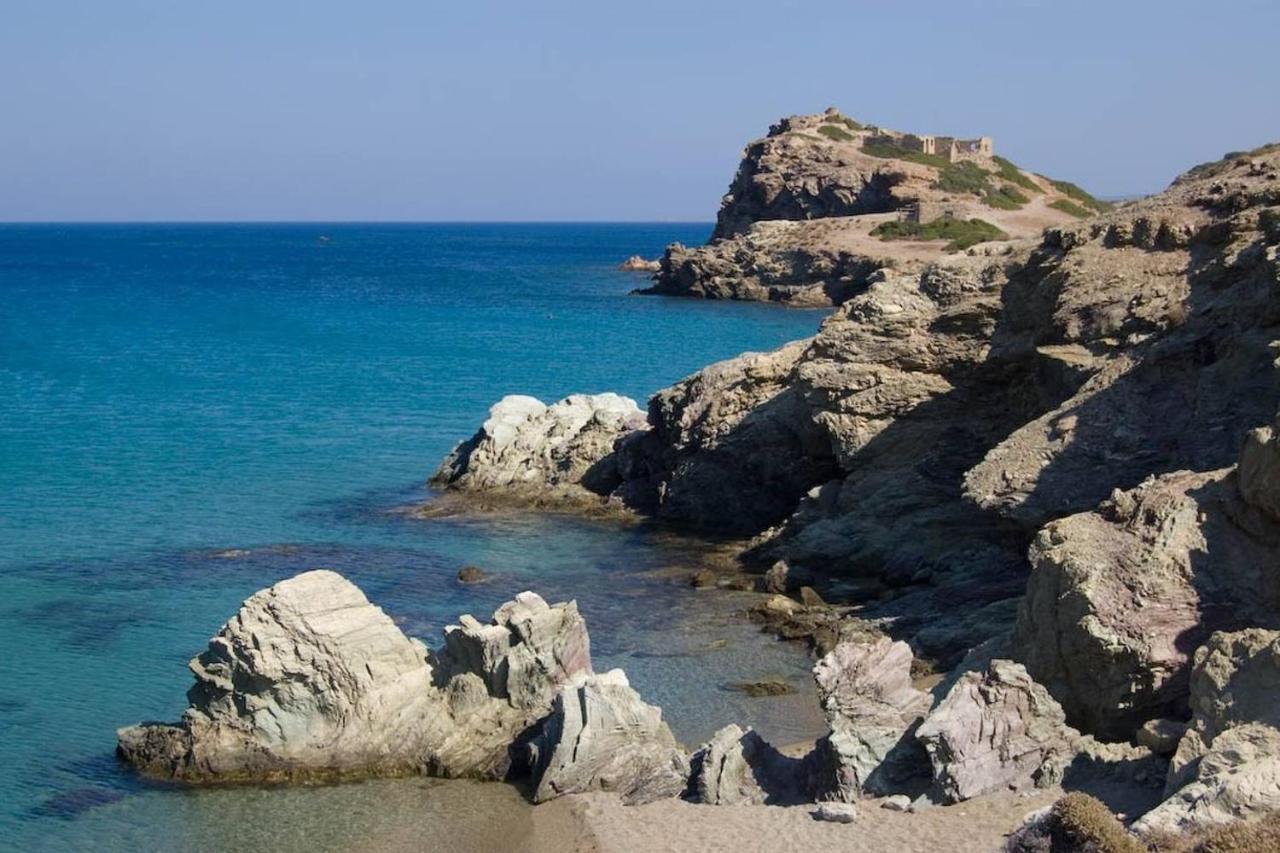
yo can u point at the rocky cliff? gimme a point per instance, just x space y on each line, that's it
1040 447
822 202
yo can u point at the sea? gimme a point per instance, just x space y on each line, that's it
192 412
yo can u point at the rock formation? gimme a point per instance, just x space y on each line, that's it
1227 765
996 729
557 453
798 224
1055 450
602 736
311 680
865 690
738 766
308 677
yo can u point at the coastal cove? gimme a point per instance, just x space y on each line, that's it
194 412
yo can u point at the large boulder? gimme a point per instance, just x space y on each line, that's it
738 766
1227 765
311 680
602 736
527 450
866 693
994 730
308 677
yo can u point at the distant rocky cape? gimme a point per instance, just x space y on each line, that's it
1060 454
799 223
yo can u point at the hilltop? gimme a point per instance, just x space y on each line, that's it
823 201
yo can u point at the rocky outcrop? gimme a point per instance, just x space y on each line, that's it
866 693
996 729
602 736
635 263
527 450
308 677
802 264
1227 765
798 224
311 680
738 766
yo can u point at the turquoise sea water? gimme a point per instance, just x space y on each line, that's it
190 413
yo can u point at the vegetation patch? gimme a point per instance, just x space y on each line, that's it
839 134
845 120
889 151
964 177
961 233
1014 175
1074 193
1069 206
1006 197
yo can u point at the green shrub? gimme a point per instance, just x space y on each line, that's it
962 233
1068 206
830 131
1074 192
964 177
1086 824
1005 198
890 151
1013 174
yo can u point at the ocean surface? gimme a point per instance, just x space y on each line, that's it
189 413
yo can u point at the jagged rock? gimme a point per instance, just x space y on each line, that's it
528 450
802 264
1118 598
1227 765
866 693
738 766
996 729
310 679
602 736
1260 470
1236 777
635 263
783 578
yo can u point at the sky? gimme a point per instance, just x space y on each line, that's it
172 110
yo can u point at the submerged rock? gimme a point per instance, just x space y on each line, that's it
602 736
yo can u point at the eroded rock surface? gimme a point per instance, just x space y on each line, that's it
529 450
1227 765
602 736
996 729
738 766
866 692
310 679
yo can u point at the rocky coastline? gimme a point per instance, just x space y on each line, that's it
1023 501
1049 472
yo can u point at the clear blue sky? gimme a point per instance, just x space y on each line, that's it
422 110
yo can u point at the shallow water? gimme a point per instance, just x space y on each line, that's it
190 413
